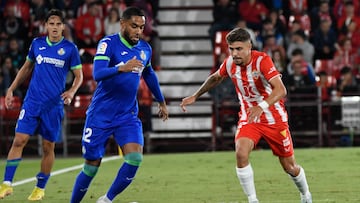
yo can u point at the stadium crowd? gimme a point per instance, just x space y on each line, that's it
87 21
306 39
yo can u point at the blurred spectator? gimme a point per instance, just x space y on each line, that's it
279 61
300 41
9 72
270 46
348 17
85 8
112 22
298 12
324 40
320 13
225 16
254 12
302 68
89 27
348 83
120 6
20 9
340 7
291 30
279 21
344 56
13 26
353 33
70 7
267 30
15 53
39 9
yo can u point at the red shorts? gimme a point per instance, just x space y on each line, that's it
277 136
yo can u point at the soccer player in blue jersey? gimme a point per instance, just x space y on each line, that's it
49 60
120 61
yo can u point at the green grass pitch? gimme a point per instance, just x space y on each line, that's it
209 177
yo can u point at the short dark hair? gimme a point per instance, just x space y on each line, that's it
238 34
132 11
296 52
55 12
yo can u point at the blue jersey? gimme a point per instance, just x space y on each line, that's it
115 98
52 63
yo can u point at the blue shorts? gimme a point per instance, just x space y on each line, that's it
94 139
47 122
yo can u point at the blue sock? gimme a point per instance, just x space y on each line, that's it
124 177
42 179
82 183
10 169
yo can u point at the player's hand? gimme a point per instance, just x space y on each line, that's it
67 97
254 114
163 112
187 101
132 65
9 98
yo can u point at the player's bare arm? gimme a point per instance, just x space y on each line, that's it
163 111
213 80
23 73
68 95
131 65
278 92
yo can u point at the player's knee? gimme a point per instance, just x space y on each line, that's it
90 170
134 158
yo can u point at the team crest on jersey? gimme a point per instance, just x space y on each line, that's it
102 48
256 74
61 51
142 55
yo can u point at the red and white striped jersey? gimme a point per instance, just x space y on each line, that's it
252 86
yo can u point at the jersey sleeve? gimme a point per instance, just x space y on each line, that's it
268 68
31 54
222 69
102 59
75 62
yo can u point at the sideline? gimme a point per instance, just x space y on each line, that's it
61 171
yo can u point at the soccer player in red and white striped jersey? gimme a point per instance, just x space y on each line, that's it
262 113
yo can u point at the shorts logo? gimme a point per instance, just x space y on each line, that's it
283 133
101 48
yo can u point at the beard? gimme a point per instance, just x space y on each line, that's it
128 39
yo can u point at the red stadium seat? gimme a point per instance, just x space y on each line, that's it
78 107
8 118
89 84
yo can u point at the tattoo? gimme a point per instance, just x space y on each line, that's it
212 81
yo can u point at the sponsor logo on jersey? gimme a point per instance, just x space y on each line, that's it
42 48
56 62
101 48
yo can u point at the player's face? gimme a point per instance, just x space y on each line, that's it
241 52
54 28
133 28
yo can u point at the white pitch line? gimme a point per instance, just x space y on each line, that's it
61 171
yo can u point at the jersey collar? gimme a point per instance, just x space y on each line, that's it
126 43
51 43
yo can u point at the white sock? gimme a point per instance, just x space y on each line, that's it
8 183
300 182
246 178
